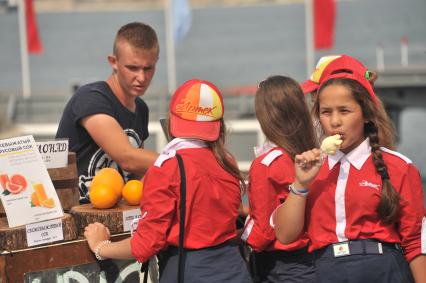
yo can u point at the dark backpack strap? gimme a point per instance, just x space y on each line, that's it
181 262
144 269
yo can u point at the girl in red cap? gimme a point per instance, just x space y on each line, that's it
209 202
363 204
285 120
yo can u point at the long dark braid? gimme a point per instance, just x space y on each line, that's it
389 205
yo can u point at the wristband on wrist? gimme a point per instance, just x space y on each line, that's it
299 192
99 247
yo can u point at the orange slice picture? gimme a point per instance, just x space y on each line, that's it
48 203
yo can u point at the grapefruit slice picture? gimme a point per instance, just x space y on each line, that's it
16 184
48 203
18 179
14 188
4 179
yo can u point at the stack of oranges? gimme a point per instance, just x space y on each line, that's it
108 188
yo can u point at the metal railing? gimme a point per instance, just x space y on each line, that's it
243 136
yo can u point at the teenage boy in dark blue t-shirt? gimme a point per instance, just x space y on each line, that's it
106 122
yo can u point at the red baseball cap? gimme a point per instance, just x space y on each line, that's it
332 64
196 108
338 66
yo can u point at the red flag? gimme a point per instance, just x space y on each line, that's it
33 39
324 18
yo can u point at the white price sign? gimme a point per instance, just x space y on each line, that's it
54 153
130 217
44 232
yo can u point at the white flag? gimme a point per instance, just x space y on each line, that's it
182 19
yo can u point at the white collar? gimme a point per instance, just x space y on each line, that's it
170 149
265 147
356 157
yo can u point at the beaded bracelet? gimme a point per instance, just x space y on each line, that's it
299 192
99 247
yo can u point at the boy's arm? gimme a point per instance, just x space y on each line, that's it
109 136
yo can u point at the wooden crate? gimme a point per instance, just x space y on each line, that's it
16 238
65 181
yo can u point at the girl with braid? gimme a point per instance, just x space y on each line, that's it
363 205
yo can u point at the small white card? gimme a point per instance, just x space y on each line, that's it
129 217
341 249
44 232
54 153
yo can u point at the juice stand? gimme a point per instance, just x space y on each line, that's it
54 249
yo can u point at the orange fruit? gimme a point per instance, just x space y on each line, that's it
110 177
132 192
34 199
48 203
103 196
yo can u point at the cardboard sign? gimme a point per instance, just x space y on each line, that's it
54 153
26 190
130 219
44 232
